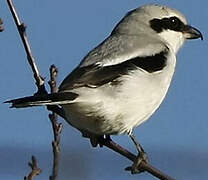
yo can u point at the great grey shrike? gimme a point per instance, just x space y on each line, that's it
122 82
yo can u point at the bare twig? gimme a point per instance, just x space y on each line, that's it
22 32
1 25
38 78
35 170
57 127
143 166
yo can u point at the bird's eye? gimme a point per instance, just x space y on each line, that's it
174 23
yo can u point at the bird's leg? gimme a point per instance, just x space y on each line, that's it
138 146
141 157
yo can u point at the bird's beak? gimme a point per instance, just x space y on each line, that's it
192 33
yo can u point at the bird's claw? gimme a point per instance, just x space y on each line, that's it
137 165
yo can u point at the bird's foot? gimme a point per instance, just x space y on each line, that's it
137 165
140 159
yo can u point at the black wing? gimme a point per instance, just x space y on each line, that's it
95 75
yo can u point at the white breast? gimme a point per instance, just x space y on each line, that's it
116 110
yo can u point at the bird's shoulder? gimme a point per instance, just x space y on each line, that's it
114 57
119 47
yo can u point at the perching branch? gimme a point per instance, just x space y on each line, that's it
35 170
143 166
57 127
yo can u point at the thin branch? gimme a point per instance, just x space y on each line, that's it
35 170
22 32
57 127
38 78
143 166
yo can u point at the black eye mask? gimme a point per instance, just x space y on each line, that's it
172 23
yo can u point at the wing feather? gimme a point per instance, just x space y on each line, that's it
97 75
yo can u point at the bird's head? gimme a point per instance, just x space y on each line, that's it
169 24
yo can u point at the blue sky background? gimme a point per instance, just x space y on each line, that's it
62 32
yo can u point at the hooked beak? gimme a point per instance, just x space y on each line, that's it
192 33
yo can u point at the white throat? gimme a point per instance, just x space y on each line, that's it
174 39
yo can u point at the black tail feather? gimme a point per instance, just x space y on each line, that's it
45 99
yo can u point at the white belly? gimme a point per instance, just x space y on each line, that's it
116 110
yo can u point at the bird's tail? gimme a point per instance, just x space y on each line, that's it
45 99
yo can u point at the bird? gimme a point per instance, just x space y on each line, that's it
121 82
